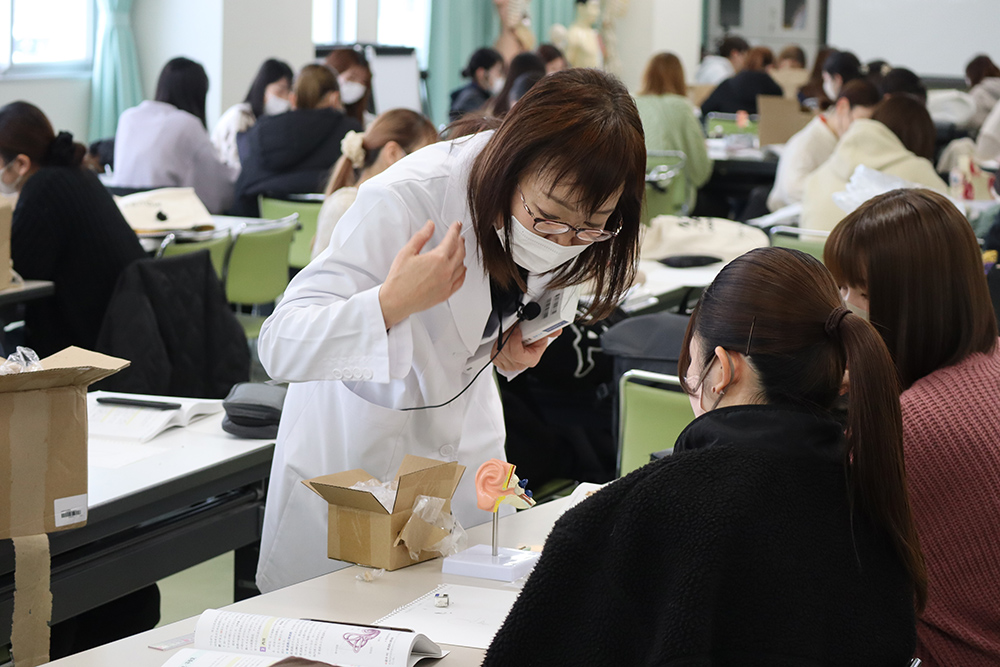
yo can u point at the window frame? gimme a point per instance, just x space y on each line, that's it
51 70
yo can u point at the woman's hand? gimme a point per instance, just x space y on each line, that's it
417 282
515 355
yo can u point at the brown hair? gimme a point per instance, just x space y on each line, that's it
919 260
793 52
312 84
342 60
909 120
25 130
664 74
860 93
407 128
758 59
776 305
581 127
814 87
979 68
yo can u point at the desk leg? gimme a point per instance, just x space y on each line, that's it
245 572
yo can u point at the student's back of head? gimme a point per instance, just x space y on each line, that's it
316 87
26 131
901 81
916 258
184 84
910 121
792 57
758 59
522 63
733 43
979 68
664 74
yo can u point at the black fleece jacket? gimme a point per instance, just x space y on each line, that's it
740 549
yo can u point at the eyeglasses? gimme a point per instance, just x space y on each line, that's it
543 226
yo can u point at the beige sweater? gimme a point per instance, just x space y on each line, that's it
869 143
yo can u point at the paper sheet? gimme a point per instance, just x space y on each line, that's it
471 618
32 601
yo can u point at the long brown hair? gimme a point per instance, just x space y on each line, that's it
342 60
979 68
312 84
813 88
917 257
407 128
783 309
910 121
664 74
581 127
759 58
25 130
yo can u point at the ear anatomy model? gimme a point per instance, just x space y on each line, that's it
496 484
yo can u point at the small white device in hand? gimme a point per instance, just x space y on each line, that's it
558 309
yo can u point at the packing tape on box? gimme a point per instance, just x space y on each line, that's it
32 601
28 463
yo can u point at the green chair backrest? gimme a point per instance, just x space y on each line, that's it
217 247
257 268
809 241
726 124
650 417
667 187
301 249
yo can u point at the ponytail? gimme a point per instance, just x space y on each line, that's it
875 441
63 152
343 175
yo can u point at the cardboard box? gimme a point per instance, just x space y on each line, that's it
361 530
43 442
780 119
6 217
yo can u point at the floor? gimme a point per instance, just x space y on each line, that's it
205 586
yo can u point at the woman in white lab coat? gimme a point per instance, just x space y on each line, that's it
383 334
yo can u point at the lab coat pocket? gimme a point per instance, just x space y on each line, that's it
372 433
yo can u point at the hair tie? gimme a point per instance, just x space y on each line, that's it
352 145
61 151
833 321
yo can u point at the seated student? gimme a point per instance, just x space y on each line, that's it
554 59
813 145
715 69
165 143
875 71
740 92
268 95
768 537
522 85
486 71
66 229
898 140
983 78
901 81
988 139
668 119
354 77
292 153
839 68
792 57
522 63
910 260
811 95
392 136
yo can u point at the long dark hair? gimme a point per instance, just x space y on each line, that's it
270 71
184 84
581 127
25 130
521 64
783 309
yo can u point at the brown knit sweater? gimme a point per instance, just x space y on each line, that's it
951 436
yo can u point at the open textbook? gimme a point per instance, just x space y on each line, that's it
126 422
230 639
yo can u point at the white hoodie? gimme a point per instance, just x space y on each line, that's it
874 145
986 94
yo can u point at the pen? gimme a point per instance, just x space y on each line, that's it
358 625
137 403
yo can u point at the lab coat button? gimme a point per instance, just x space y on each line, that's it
368 375
356 373
447 451
337 374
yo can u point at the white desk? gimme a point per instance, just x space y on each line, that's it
194 493
663 287
339 596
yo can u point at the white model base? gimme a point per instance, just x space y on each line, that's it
478 561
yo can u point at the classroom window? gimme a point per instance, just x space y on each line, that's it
405 23
40 36
335 21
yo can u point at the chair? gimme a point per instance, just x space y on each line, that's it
217 247
301 250
809 241
653 413
256 268
668 190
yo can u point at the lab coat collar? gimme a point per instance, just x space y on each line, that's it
470 306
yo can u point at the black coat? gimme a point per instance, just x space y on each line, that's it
291 153
739 93
740 549
170 318
467 99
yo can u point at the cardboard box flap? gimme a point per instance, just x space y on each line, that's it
71 367
335 490
439 481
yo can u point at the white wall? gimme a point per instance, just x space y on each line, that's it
65 101
651 26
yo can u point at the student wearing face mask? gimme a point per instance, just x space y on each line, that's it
66 229
355 80
839 68
768 537
486 71
293 152
814 144
385 337
268 95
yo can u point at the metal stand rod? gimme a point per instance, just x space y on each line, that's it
496 524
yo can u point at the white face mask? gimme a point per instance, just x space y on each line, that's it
535 253
498 85
275 105
829 90
350 91
8 188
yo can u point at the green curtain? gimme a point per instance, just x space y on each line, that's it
458 27
546 13
115 83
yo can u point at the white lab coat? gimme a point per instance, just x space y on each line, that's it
350 377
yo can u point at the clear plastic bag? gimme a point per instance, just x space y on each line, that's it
23 361
384 492
431 528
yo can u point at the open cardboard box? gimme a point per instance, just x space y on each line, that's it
361 530
43 442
